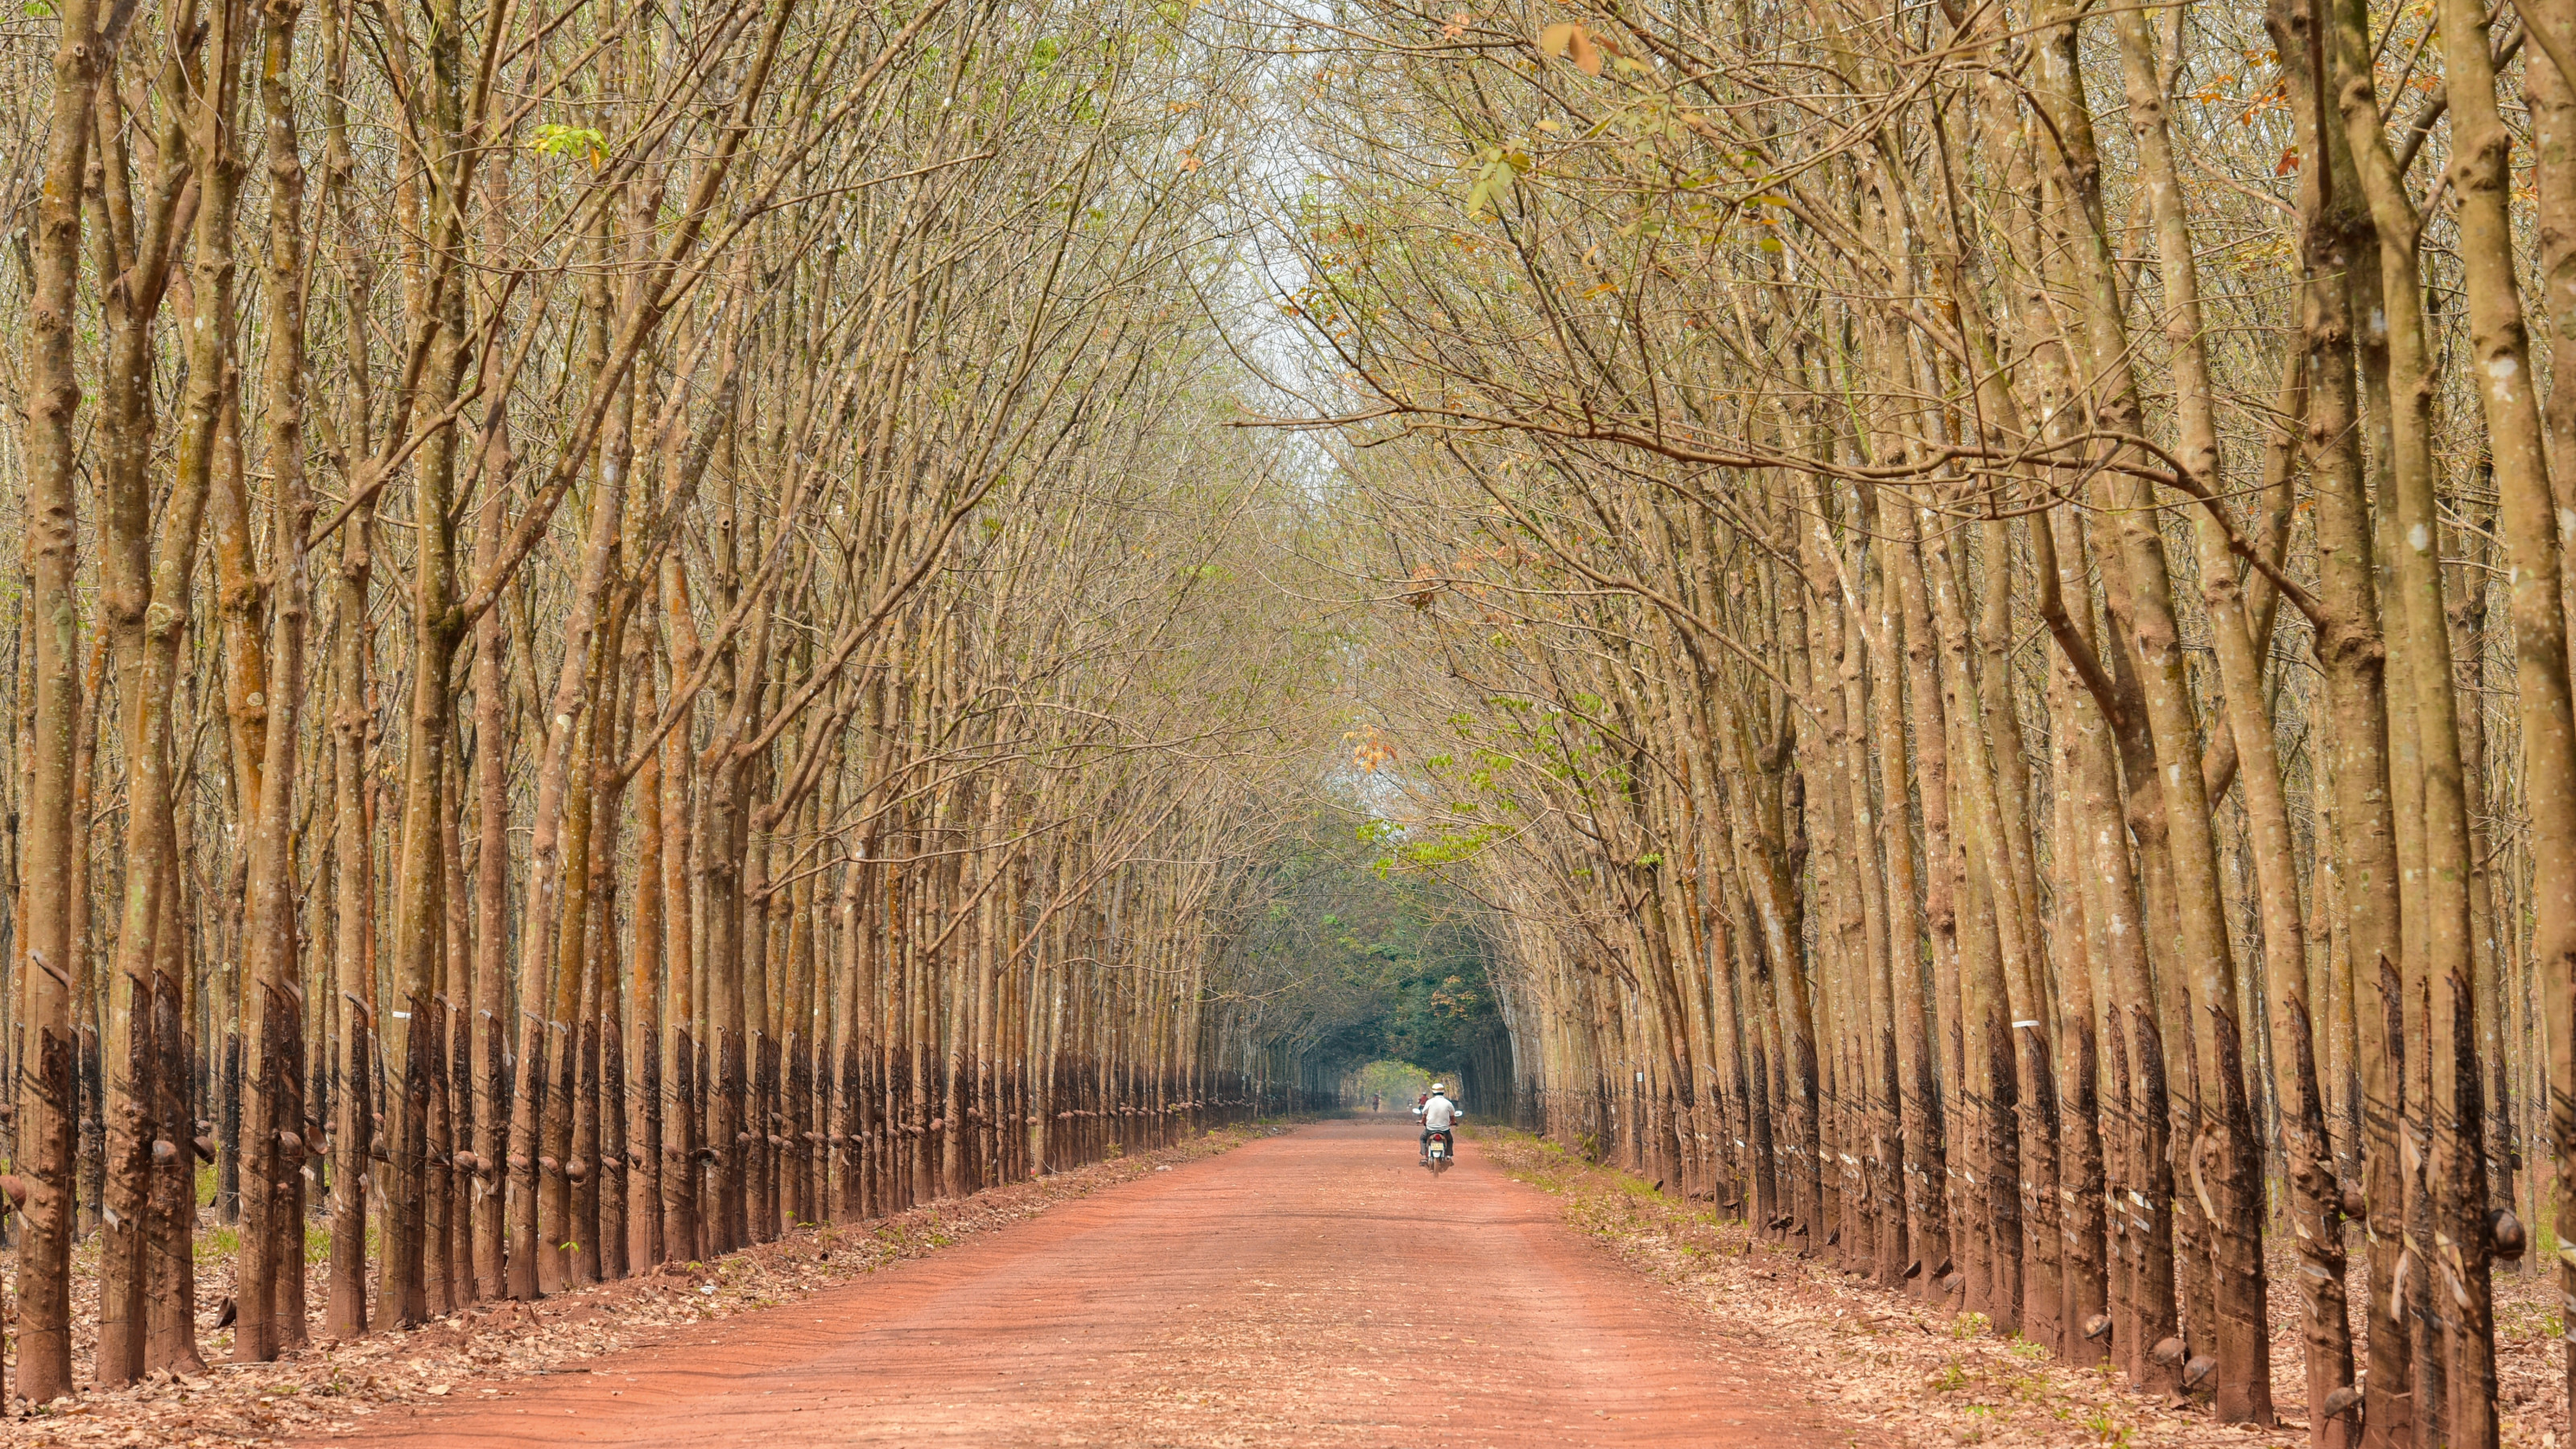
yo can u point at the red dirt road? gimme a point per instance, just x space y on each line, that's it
1290 1292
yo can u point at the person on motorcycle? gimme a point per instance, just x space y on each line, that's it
1438 1114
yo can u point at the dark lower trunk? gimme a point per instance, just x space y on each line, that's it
612 1151
731 1133
1892 1238
464 1182
680 1155
438 1191
2043 1282
2087 1288
521 1275
1766 1182
93 1130
2130 1212
761 1206
2243 1391
170 1262
293 1173
800 1128
554 1185
228 1131
127 1211
344 1311
404 1302
2003 1175
2160 1359
491 1161
2316 1210
2461 1201
646 1225
582 1166
255 1335
846 1135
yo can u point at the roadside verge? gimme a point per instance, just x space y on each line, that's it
335 1387
1910 1373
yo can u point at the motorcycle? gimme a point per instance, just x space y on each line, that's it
1440 1151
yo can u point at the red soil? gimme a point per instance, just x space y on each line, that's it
1313 1289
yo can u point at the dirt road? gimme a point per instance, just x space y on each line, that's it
1314 1289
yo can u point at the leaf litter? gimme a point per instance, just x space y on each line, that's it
1907 1373
333 1387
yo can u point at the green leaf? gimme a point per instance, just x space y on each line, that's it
585 143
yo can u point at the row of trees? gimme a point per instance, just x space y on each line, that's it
1994 589
1356 972
733 666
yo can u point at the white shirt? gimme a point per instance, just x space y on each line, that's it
1438 1113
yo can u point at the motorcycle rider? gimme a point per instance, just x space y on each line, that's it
1438 1114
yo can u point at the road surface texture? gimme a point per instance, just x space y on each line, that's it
1312 1289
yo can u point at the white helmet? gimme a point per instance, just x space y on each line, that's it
1440 1087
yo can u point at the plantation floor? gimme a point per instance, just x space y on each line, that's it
1315 1288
